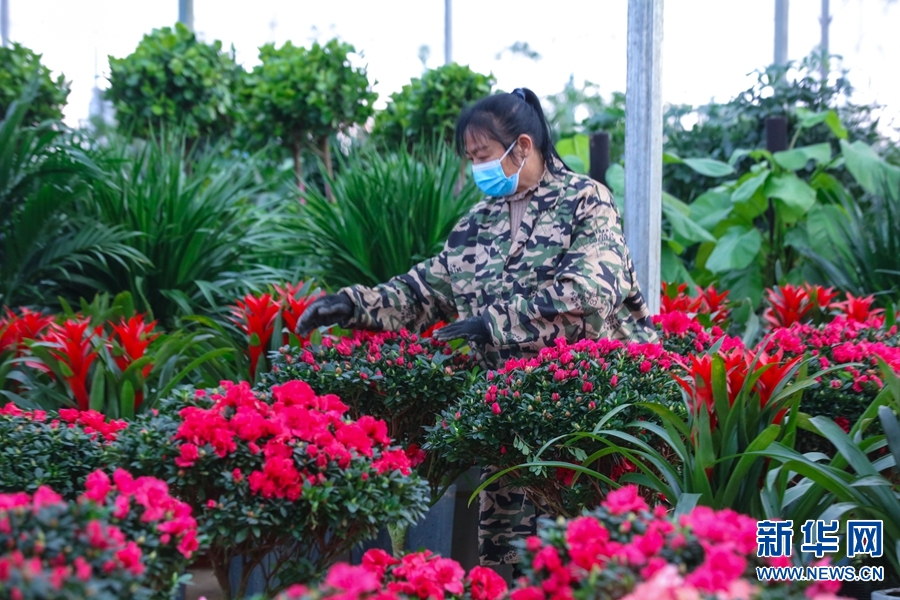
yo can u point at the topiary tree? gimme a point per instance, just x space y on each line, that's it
428 107
302 96
20 67
173 78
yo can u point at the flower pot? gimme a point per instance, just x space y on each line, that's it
884 594
434 532
256 585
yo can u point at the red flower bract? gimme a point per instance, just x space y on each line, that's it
255 315
70 344
129 343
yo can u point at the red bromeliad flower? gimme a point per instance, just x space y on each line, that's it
133 338
256 317
859 309
699 385
71 346
788 304
292 308
769 380
14 330
678 301
713 303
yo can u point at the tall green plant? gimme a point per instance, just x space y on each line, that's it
427 108
199 218
302 96
47 247
173 78
21 67
389 213
854 483
855 243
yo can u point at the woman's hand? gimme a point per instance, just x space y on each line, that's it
472 329
327 310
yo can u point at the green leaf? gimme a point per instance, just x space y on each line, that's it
615 178
126 400
749 187
710 208
871 171
709 167
98 388
796 159
795 195
682 225
737 249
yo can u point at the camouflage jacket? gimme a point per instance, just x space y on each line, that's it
565 273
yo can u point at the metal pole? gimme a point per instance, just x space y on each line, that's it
4 22
448 32
824 21
781 32
643 145
186 13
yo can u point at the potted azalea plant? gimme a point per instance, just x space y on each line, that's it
282 482
402 378
527 408
123 537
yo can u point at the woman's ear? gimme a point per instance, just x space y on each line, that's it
525 145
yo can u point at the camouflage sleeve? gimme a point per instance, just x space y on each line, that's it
588 286
414 300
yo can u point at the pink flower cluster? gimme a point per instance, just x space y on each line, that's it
418 575
560 358
149 497
842 341
296 418
626 537
25 557
91 421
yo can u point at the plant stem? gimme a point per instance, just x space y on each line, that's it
298 166
398 537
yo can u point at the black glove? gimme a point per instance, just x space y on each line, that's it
327 310
472 329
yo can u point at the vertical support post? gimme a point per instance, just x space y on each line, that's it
825 22
599 156
781 32
4 22
448 32
643 145
186 13
776 134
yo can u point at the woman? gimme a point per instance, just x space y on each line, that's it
541 257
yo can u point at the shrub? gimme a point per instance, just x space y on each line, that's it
623 549
521 412
389 212
414 575
174 79
301 97
280 473
426 109
145 512
400 378
22 68
54 549
50 248
57 450
123 537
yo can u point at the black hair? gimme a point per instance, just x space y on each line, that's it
504 117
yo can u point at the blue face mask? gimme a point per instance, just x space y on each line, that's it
491 179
